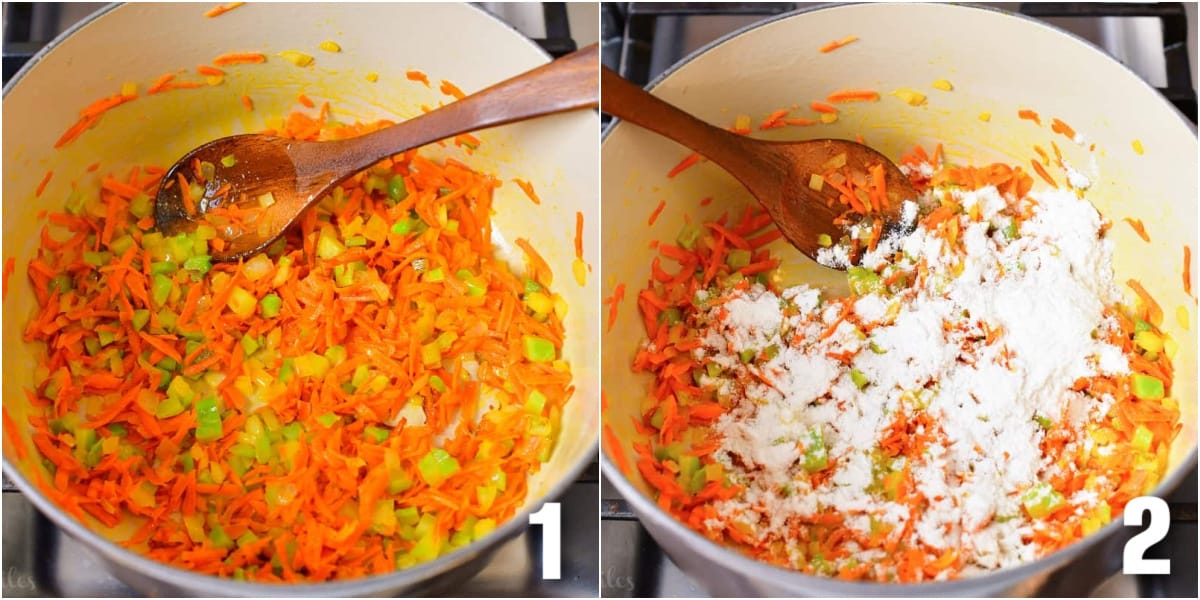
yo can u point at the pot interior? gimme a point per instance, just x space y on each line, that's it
777 65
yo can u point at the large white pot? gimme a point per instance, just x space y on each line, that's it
998 63
139 42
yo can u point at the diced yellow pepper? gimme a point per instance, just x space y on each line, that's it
330 46
560 307
1137 147
579 269
828 118
985 116
241 302
943 84
909 96
372 77
129 88
539 302
742 122
1181 315
299 59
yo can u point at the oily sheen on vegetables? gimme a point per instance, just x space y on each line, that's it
372 392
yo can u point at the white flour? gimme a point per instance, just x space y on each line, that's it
1038 298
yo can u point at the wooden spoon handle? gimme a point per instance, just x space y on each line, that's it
565 84
624 100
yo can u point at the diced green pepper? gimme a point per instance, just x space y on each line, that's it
270 305
141 206
539 349
824 240
1142 438
437 466
292 431
396 189
816 455
328 419
436 383
688 236
1147 387
670 316
738 258
402 227
1041 500
140 317
536 402
96 259
160 289
199 264
532 286
863 281
1043 421
747 355
162 268
860 380
208 420
377 434
249 345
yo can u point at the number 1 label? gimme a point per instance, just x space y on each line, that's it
1135 548
550 518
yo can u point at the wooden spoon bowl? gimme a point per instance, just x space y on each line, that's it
252 187
778 174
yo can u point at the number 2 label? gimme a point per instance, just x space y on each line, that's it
549 516
1135 548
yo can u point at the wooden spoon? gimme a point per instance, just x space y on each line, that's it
296 173
776 173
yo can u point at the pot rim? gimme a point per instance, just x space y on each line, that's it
796 580
212 584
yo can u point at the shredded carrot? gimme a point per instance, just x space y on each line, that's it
1153 311
239 58
799 122
613 303
834 45
853 96
1138 227
350 407
612 444
1041 171
305 100
451 90
209 71
773 120
579 235
685 299
1187 270
706 201
528 189
13 434
37 193
247 102
9 266
1029 115
821 107
414 75
683 165
1057 126
220 10
657 211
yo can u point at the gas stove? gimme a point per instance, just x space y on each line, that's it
39 560
641 40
